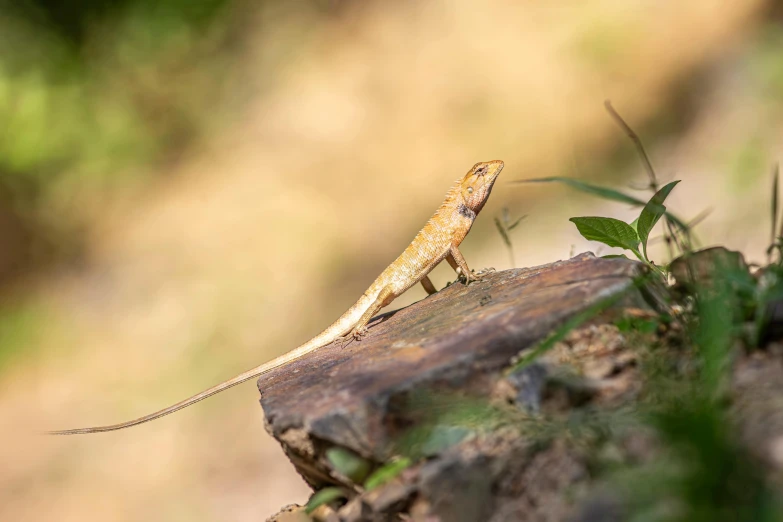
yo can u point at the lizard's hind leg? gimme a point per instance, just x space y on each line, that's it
385 297
426 282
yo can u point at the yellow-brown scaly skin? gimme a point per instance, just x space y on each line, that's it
438 240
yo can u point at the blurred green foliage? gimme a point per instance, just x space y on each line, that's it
90 88
20 327
92 95
750 157
440 420
702 471
91 92
767 66
705 473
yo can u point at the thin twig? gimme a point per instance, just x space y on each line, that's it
681 245
635 138
670 235
683 236
701 216
775 176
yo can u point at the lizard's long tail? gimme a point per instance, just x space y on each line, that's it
340 327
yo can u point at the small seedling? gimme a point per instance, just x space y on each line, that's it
617 233
634 236
505 224
386 472
324 496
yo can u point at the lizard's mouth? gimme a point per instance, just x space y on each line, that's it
489 180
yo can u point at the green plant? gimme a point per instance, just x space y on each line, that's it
702 471
506 224
357 470
633 236
617 233
705 473
324 496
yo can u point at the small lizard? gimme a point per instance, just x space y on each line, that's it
438 240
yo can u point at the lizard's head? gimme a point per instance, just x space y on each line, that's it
477 183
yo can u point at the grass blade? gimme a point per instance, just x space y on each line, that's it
589 188
515 223
386 472
502 232
636 141
774 203
775 176
602 192
324 496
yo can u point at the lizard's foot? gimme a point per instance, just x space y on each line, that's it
485 271
354 335
358 333
472 277
344 340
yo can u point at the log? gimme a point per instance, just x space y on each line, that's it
538 395
460 342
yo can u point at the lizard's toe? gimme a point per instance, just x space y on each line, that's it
478 276
359 333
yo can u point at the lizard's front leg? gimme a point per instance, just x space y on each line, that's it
458 263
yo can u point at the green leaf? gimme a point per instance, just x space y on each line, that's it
348 464
442 438
589 188
386 472
324 496
602 192
515 223
652 212
608 231
615 256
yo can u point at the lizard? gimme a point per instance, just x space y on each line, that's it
439 239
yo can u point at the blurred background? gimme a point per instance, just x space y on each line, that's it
188 189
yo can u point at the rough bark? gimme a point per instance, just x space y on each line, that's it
491 435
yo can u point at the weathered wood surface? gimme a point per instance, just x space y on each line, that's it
457 339
452 353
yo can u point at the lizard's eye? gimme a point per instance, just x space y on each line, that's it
470 190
